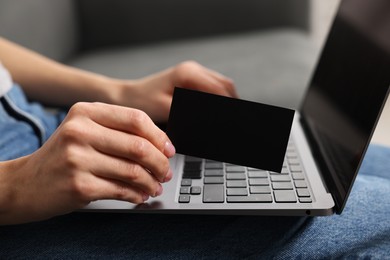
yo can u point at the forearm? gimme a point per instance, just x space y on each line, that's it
53 83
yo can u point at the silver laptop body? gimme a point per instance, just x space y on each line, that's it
330 133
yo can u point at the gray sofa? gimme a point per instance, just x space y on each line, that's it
264 45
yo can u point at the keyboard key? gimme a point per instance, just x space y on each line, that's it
285 196
280 178
184 190
235 176
305 200
193 159
214 172
297 176
186 182
257 174
293 161
213 180
282 186
303 193
284 172
259 182
236 184
296 168
184 198
291 155
259 189
196 190
235 168
237 192
192 174
255 198
291 149
193 166
300 184
213 193
213 165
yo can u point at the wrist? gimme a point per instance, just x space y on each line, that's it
100 88
122 92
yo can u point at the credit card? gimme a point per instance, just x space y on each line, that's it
229 130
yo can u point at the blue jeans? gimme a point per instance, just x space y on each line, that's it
362 231
24 126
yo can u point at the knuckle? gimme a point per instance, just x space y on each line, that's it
185 71
161 139
134 172
121 192
187 65
80 108
137 199
139 148
138 117
80 189
72 131
70 159
164 166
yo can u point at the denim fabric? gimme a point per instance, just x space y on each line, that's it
361 232
17 137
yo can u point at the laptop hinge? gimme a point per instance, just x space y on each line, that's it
325 168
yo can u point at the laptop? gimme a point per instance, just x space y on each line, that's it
329 137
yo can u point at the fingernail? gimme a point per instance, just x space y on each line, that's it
145 196
159 191
169 149
169 175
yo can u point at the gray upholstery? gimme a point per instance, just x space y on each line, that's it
46 26
271 66
262 44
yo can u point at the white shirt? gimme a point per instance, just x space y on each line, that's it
5 80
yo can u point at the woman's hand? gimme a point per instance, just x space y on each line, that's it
153 94
100 151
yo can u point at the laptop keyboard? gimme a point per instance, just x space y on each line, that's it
219 182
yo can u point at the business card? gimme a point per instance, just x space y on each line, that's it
229 130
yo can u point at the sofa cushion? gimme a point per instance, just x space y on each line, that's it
267 66
46 26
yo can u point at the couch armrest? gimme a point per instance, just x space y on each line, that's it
122 22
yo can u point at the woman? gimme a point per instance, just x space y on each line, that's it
98 151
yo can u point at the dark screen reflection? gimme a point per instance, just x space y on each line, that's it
349 88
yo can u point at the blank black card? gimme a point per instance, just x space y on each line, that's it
229 130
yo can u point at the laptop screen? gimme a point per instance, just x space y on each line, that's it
348 91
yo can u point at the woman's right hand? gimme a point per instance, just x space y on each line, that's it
99 152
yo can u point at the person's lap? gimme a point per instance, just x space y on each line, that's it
362 230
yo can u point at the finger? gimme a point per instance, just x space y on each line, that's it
112 189
130 147
204 82
227 83
127 120
126 171
191 74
